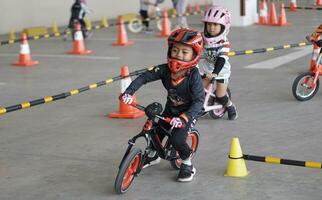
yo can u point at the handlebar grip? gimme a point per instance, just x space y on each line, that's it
167 119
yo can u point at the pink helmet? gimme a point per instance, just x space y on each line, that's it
219 15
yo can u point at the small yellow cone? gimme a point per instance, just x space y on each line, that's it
88 24
104 22
12 36
236 164
54 29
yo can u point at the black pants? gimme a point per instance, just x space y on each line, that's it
144 15
178 138
81 22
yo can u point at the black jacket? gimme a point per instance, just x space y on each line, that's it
185 98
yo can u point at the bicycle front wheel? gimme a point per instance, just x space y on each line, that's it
193 142
127 171
302 89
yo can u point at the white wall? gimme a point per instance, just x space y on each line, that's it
18 14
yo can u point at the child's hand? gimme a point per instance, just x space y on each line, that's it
309 38
177 122
211 76
126 98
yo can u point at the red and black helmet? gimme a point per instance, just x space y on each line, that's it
188 37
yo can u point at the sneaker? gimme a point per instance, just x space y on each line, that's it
186 173
149 161
232 112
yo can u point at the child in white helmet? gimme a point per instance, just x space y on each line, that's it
217 21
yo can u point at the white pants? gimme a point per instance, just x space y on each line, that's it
181 10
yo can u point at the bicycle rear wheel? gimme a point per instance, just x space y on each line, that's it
135 25
302 89
127 171
220 112
193 142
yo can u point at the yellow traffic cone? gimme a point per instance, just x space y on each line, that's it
54 29
88 24
12 36
236 164
104 22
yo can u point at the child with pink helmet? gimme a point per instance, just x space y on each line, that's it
217 20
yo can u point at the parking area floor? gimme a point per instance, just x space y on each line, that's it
70 149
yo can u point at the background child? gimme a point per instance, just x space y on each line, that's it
181 7
78 12
185 97
316 38
144 10
216 27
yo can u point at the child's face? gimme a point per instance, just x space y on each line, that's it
213 28
182 52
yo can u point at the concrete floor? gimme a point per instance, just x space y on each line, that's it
70 150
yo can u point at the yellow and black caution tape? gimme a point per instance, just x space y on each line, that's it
275 160
306 8
49 99
95 27
263 50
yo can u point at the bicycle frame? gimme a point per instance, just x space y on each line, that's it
148 133
209 94
317 70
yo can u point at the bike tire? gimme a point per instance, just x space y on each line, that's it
135 25
299 82
126 173
194 135
217 113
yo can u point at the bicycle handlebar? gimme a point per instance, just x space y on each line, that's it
166 119
140 107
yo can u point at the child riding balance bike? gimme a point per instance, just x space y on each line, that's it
185 98
214 64
306 85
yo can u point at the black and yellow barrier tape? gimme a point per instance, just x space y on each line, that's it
94 27
305 8
263 50
276 160
49 99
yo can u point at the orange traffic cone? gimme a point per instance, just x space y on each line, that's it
318 2
122 35
197 8
78 44
166 29
126 111
272 18
262 13
293 5
206 5
24 56
282 17
189 9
